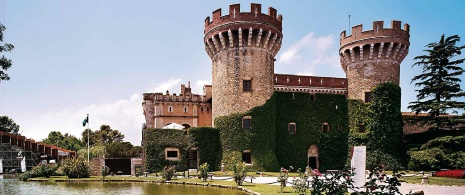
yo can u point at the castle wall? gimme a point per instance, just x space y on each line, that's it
374 56
242 46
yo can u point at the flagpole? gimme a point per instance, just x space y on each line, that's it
88 143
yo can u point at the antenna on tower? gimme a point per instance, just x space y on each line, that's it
350 32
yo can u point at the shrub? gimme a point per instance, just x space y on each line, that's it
240 172
168 172
41 170
105 171
204 171
75 168
282 178
300 184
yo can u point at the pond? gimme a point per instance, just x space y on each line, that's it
10 186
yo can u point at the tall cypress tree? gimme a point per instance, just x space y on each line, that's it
439 83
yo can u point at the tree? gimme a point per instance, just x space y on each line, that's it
5 63
104 135
67 141
439 83
7 124
121 150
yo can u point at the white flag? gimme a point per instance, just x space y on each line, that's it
23 165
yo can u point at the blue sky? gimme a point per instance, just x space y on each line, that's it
98 57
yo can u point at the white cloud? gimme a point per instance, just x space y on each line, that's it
125 115
199 86
311 55
167 85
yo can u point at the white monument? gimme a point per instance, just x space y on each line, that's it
358 162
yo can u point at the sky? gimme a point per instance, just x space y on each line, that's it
98 57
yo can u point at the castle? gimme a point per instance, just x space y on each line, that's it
310 109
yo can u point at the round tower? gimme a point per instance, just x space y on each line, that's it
372 57
242 47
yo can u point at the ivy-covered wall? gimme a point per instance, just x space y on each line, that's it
309 116
382 123
207 142
271 144
156 140
260 139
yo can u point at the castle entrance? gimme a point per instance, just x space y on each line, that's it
192 158
313 157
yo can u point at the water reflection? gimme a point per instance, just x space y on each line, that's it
9 186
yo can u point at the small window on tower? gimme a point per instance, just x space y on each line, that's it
185 108
247 122
367 97
201 109
291 127
170 108
325 128
247 85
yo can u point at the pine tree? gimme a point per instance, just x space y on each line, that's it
439 83
5 63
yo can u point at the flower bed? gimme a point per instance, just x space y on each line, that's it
451 173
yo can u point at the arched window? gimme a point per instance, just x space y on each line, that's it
170 108
185 109
325 128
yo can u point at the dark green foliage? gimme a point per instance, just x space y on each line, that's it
5 63
42 170
103 135
168 172
387 125
269 138
439 83
382 120
7 124
442 152
65 141
155 142
105 171
121 150
309 116
207 142
75 168
260 139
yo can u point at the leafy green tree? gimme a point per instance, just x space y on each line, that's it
104 135
95 152
5 63
439 83
67 141
7 124
121 150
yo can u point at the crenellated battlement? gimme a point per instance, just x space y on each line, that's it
243 29
160 97
378 31
373 56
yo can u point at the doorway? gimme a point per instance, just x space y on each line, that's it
192 159
312 157
312 162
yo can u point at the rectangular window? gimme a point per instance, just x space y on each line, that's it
247 122
247 157
367 97
247 85
172 154
312 97
325 128
291 128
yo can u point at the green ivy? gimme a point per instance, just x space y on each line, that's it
271 144
207 142
155 142
382 119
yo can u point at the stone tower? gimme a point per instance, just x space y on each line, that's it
242 47
372 57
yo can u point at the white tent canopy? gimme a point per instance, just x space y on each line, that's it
173 126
